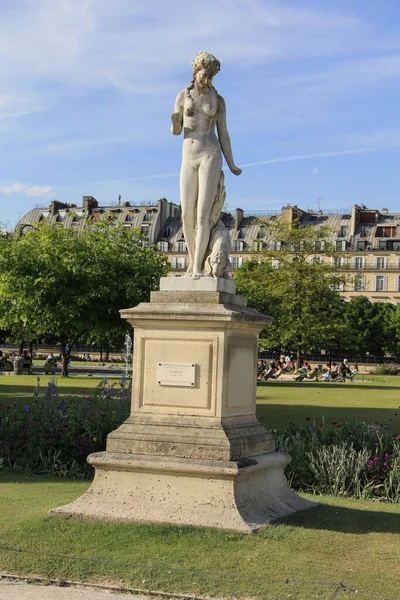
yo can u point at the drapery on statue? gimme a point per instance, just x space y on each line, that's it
198 109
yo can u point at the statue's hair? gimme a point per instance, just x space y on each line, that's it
204 60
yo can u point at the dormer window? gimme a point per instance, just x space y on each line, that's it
238 246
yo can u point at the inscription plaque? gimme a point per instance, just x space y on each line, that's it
179 374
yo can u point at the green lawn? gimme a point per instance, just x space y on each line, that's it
374 400
355 542
351 541
21 387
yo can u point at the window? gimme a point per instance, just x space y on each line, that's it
361 245
343 231
163 246
380 281
396 246
261 232
364 230
358 262
258 246
319 245
167 232
336 261
275 246
380 262
237 261
180 247
148 215
144 230
238 246
397 284
179 262
359 283
341 245
385 232
129 217
382 245
338 286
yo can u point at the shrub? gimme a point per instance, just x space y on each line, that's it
53 435
391 369
354 459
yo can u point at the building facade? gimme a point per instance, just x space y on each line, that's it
369 239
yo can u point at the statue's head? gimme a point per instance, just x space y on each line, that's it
206 62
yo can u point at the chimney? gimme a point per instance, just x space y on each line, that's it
355 218
384 211
239 214
55 206
88 203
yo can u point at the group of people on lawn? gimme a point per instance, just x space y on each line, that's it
331 372
13 362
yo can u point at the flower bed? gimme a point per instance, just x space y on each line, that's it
53 435
353 459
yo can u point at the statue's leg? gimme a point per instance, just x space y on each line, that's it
189 191
209 175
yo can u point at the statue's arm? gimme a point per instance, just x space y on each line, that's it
224 138
177 115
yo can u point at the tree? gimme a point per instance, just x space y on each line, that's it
69 284
292 282
370 326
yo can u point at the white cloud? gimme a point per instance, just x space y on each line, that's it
15 188
107 71
38 190
330 153
315 171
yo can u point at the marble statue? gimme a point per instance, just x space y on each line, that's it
198 110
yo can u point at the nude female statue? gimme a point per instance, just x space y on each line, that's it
198 109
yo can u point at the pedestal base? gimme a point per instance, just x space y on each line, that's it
241 495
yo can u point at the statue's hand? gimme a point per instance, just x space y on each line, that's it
235 170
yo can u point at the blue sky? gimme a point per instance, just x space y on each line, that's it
87 87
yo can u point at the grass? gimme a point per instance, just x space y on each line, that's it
355 542
352 541
21 387
374 400
377 401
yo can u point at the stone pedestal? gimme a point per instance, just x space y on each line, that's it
192 450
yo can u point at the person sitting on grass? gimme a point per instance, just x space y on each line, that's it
342 372
302 373
270 372
278 370
328 373
314 374
27 361
352 372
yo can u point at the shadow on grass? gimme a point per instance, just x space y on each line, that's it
279 416
345 520
331 386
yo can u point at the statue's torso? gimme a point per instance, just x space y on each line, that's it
199 120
